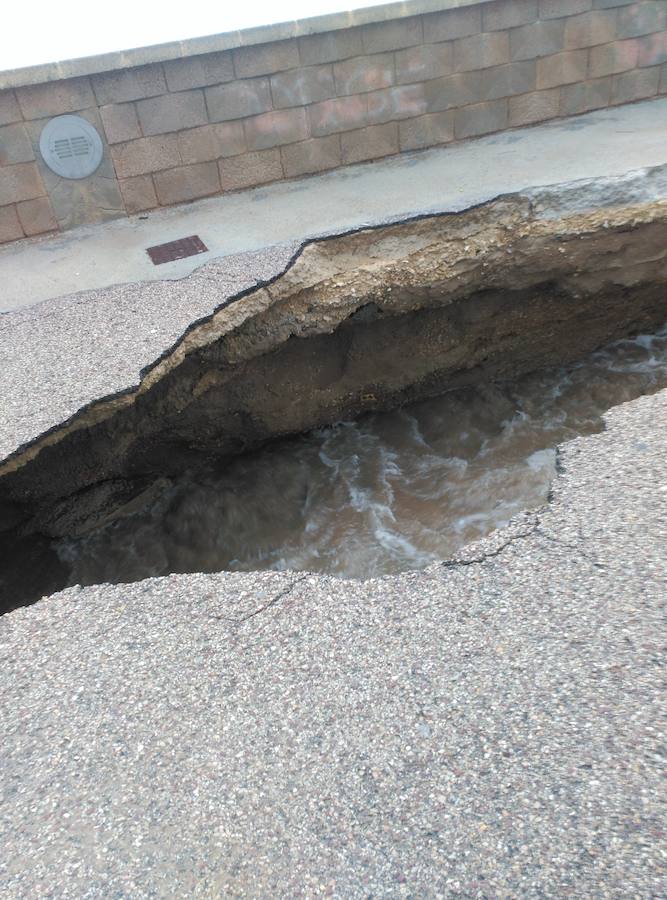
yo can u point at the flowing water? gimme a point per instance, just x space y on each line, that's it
389 492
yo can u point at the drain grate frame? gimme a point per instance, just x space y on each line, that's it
173 250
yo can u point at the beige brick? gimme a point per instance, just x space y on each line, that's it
364 73
562 68
238 99
392 104
272 129
330 46
10 227
453 91
609 59
635 85
172 112
38 101
590 29
641 18
392 35
315 155
199 71
138 193
129 84
309 84
9 108
251 169
480 51
426 131
373 142
424 63
265 59
557 9
150 154
506 81
482 118
15 145
508 14
538 39
120 122
452 24
211 142
535 107
20 182
653 49
580 98
340 114
186 183
37 216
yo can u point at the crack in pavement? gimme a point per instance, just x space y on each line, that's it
272 602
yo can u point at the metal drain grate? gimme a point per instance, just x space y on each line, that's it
188 246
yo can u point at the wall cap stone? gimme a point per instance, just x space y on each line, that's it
263 34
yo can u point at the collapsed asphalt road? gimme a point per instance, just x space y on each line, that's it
491 726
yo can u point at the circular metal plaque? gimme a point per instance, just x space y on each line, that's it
71 147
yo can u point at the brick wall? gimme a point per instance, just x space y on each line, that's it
189 128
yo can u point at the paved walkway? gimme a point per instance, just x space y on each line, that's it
609 142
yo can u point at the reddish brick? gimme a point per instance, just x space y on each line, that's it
149 154
138 193
38 101
590 29
129 84
482 118
9 108
37 216
481 51
426 131
562 68
211 142
369 143
250 169
120 122
653 49
308 84
453 23
265 59
330 46
506 81
635 85
20 182
10 227
238 99
15 145
364 73
392 35
424 63
271 129
508 14
587 95
642 18
340 114
609 59
199 71
535 107
316 155
186 183
391 104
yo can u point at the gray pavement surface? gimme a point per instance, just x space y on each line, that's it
608 142
490 727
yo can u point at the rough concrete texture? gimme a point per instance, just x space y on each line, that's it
488 727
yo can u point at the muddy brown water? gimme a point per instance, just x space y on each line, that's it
387 493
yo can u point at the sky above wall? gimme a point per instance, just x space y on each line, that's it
43 31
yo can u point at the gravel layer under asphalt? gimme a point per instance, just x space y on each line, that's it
489 727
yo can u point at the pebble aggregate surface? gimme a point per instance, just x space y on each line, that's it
492 726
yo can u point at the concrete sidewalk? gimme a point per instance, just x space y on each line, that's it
605 143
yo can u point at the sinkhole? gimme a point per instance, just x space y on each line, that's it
395 393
